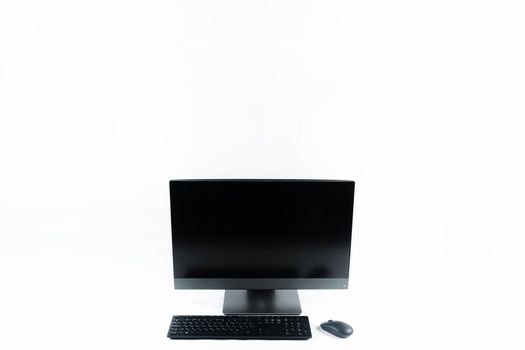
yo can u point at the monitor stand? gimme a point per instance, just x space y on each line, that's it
261 301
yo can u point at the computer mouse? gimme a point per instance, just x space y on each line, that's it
337 328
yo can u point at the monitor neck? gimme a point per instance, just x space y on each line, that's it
261 301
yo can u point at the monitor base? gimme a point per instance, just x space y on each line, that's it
261 301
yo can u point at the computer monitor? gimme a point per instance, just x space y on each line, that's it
261 240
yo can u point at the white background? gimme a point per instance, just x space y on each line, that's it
420 102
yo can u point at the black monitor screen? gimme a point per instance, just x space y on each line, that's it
261 228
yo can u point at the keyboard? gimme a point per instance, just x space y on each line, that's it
240 327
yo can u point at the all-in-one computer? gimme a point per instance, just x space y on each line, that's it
261 239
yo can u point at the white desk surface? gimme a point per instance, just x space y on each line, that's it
141 322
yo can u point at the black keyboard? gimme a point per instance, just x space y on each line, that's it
240 327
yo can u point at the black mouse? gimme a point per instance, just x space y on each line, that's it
337 328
